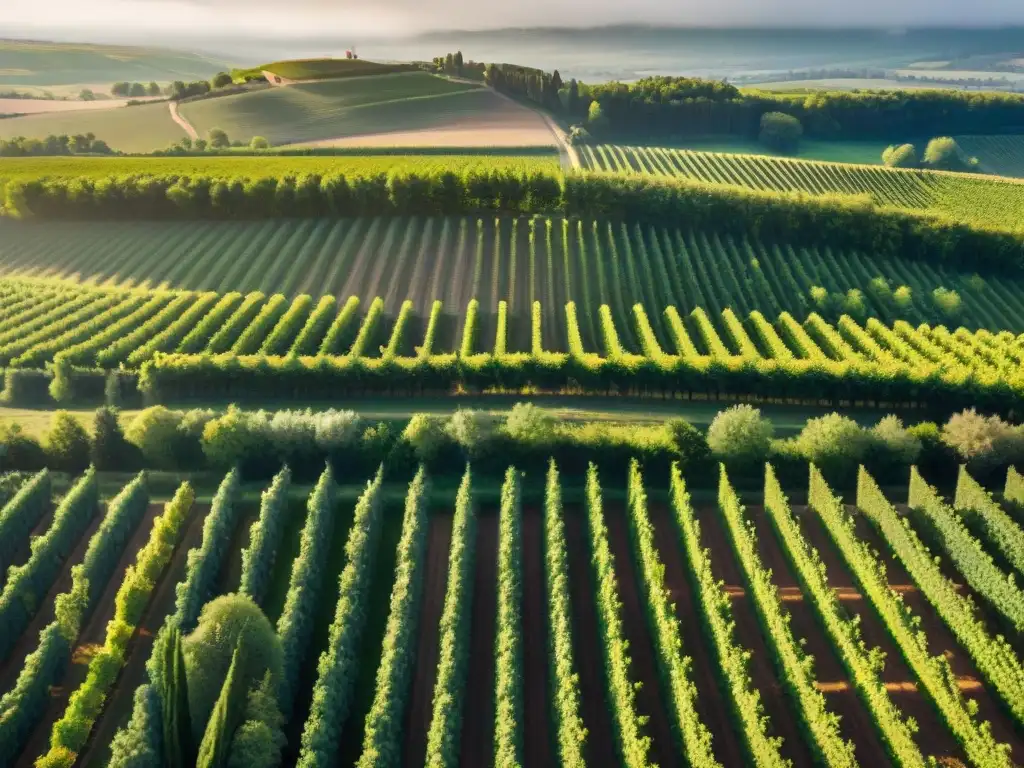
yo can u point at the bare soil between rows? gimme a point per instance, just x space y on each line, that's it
421 695
92 635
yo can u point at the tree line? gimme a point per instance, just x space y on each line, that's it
685 106
842 222
78 144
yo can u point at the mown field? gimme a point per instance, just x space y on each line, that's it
1002 155
984 200
548 624
144 128
517 260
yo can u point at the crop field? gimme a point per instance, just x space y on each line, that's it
362 164
1001 155
984 200
130 129
309 112
546 625
516 260
38 63
774 354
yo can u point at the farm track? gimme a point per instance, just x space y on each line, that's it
230 577
419 711
712 697
93 634
477 750
177 117
536 680
942 642
644 665
833 680
29 639
118 707
587 641
785 721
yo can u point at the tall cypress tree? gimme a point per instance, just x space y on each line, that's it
177 721
227 714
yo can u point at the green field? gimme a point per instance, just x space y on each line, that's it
333 109
518 261
144 128
981 199
33 63
860 152
1001 155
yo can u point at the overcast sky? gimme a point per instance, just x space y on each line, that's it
390 17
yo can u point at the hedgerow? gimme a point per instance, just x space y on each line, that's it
265 538
383 731
338 667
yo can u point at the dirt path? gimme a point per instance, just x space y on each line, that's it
712 706
587 643
934 738
785 721
92 636
537 741
941 641
857 724
644 667
118 708
421 697
184 124
478 701
29 640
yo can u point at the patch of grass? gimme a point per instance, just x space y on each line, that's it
331 109
128 129
322 69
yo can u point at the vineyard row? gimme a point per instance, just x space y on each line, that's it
655 614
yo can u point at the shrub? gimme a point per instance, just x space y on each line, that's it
472 430
259 740
948 301
427 436
155 433
944 154
258 142
900 156
690 442
67 443
20 451
833 442
526 423
780 132
110 449
896 443
218 139
971 435
225 623
740 436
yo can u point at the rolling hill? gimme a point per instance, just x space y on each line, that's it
32 63
355 110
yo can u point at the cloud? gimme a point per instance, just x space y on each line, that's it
396 17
